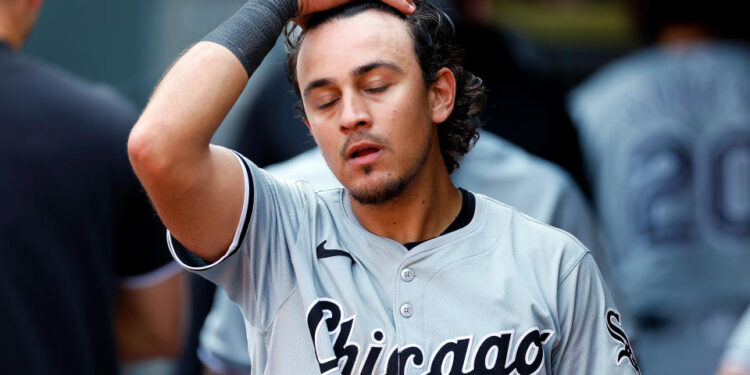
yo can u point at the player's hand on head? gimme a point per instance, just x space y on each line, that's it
308 7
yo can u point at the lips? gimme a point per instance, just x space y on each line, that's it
361 149
363 153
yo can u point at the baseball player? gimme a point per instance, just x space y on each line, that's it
666 136
494 167
399 272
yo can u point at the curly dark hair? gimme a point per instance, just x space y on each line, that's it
433 34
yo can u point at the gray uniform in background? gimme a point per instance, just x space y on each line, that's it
494 167
666 138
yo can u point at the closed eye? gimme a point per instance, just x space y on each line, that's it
377 89
328 104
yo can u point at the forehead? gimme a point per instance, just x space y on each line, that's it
336 47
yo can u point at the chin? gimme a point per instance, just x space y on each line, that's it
379 192
380 186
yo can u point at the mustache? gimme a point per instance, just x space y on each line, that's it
362 137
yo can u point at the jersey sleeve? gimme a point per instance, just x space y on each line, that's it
592 338
256 270
574 215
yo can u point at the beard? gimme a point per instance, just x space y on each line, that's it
383 193
393 186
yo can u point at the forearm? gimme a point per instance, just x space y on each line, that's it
201 87
190 103
170 153
197 188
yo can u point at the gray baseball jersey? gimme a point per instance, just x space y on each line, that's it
321 294
666 137
494 167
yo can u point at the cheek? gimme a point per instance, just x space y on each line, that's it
413 114
324 139
410 107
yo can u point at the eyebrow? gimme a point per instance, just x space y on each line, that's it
358 71
364 69
316 84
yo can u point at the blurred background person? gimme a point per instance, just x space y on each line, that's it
736 358
86 278
666 139
525 102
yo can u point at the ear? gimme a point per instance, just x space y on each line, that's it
442 95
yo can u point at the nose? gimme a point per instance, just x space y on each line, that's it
354 113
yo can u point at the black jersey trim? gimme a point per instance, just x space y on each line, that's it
192 261
250 202
184 255
468 206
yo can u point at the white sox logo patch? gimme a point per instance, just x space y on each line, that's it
618 334
494 354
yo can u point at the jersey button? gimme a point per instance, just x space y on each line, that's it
407 274
407 310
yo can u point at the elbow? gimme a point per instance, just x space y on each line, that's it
146 149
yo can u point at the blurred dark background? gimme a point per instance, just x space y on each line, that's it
129 44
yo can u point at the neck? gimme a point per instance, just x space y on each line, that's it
423 210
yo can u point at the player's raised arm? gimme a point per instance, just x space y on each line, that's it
197 188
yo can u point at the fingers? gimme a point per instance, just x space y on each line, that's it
308 7
404 6
301 21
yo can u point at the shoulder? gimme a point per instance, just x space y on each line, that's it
613 84
496 159
308 166
662 80
287 185
535 246
64 96
493 155
505 172
72 114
